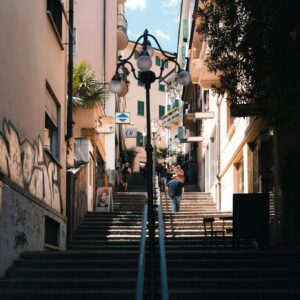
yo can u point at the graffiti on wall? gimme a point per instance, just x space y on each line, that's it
24 163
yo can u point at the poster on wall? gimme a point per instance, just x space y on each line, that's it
104 199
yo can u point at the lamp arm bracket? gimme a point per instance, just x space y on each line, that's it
132 52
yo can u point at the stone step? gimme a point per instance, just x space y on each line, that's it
68 294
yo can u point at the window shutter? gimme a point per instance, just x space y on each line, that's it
161 111
166 64
139 139
140 108
157 61
176 103
161 87
185 30
168 107
136 54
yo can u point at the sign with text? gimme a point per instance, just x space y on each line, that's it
130 133
122 118
105 125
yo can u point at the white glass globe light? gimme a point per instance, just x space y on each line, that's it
184 77
144 61
115 85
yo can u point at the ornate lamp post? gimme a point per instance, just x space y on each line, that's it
147 77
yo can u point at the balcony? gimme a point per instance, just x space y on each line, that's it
122 38
206 78
173 116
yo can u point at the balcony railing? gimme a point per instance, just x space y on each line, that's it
122 23
172 115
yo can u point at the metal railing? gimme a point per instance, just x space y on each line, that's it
122 23
161 239
162 256
141 267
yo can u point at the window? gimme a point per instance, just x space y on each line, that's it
139 139
54 11
140 108
166 65
139 82
161 111
136 54
157 61
52 230
161 87
51 132
206 100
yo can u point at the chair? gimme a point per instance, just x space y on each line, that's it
209 230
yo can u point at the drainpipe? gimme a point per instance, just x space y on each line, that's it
104 46
219 194
69 134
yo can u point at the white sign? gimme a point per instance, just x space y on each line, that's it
105 125
122 118
130 133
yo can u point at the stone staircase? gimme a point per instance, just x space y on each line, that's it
101 262
204 268
186 227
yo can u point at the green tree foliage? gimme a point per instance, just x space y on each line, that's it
254 46
87 90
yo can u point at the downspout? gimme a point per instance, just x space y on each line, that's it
219 193
104 47
69 135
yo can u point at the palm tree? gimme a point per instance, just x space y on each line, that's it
87 90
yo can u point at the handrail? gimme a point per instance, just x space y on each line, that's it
162 254
162 257
141 267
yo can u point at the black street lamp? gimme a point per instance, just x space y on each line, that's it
147 77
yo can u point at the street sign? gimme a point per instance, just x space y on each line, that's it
130 133
192 139
122 118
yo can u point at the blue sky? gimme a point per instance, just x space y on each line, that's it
160 17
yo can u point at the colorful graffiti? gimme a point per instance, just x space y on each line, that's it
24 163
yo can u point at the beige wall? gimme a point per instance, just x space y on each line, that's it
33 183
89 22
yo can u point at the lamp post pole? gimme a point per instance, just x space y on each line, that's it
147 77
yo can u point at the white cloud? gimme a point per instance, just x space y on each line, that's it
132 35
176 20
169 3
160 34
135 4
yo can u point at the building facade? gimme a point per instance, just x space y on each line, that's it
32 135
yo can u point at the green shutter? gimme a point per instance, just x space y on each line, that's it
139 82
168 107
140 109
185 30
139 139
181 131
145 140
161 87
136 54
161 111
176 103
166 64
183 54
157 61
